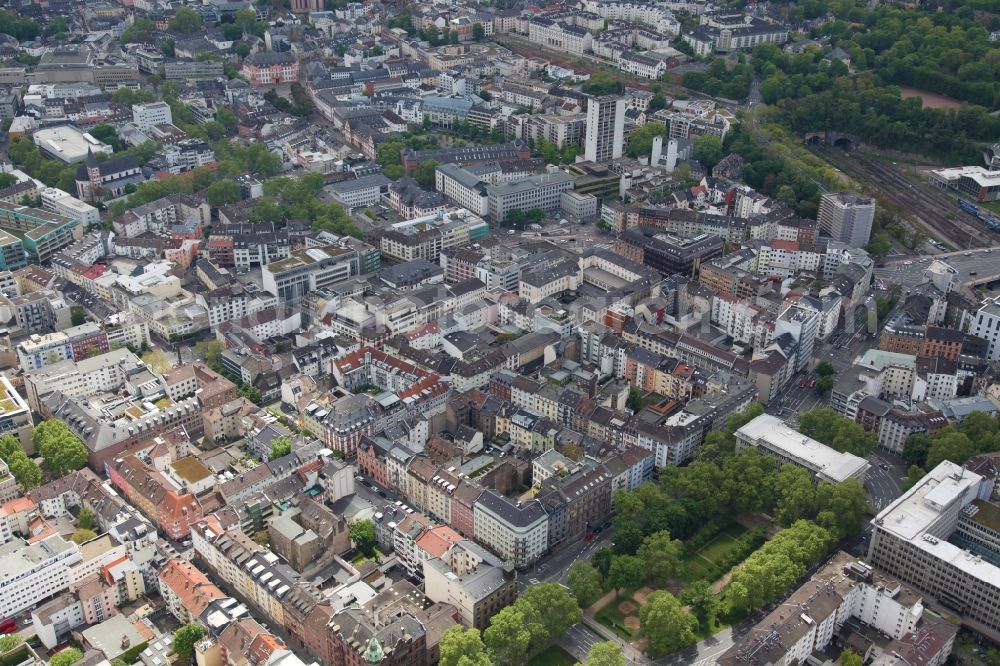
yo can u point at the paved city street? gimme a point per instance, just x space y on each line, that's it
579 639
971 265
883 481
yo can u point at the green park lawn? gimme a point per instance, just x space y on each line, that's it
612 617
697 566
553 656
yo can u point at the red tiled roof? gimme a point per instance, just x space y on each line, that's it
436 541
176 507
190 585
95 271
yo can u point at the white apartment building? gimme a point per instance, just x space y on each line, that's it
578 206
462 187
471 579
641 64
188 155
123 331
539 285
104 372
660 18
827 308
35 572
559 36
63 203
986 324
359 192
737 318
773 437
499 273
155 113
786 258
743 39
94 555
844 591
802 324
517 532
40 350
159 214
557 129
272 322
426 236
52 620
235 307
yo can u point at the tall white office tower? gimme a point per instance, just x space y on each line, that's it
605 128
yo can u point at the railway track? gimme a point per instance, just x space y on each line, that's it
935 208
934 211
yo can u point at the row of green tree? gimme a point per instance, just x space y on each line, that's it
233 160
943 52
773 173
839 433
300 105
948 53
552 154
541 615
662 619
21 29
706 149
288 199
688 503
390 156
719 80
62 452
978 433
772 569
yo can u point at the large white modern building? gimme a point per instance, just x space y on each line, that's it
359 192
942 536
462 187
559 36
426 236
516 531
605 128
659 17
155 113
773 437
104 372
308 270
543 191
30 573
68 144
